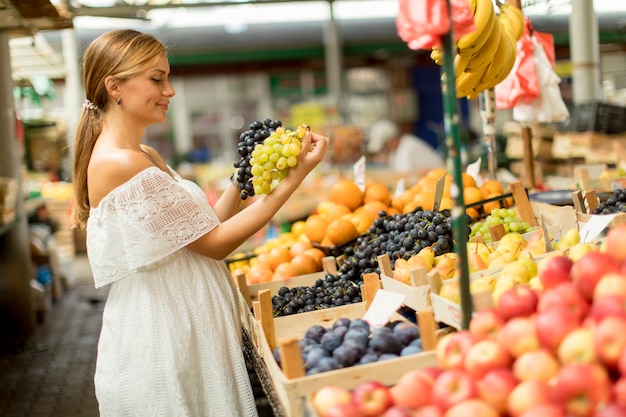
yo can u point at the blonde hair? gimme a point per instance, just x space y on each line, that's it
119 54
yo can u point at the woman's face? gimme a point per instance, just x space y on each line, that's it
147 94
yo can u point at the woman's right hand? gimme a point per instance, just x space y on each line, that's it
314 148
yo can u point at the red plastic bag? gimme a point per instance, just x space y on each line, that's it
522 84
422 23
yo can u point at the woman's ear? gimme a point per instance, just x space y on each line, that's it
112 86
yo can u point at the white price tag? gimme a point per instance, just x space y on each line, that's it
400 187
594 227
473 169
384 305
358 171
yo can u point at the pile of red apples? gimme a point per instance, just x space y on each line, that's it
555 352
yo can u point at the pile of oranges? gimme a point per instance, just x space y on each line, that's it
422 194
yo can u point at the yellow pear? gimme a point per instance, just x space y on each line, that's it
569 239
581 249
501 257
516 270
425 257
482 284
450 290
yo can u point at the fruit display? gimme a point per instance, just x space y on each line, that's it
401 236
557 351
352 342
266 152
485 56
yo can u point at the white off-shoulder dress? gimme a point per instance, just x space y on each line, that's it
170 343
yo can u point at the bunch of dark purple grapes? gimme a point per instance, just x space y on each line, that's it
614 204
257 132
353 342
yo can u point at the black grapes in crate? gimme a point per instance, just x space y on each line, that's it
398 235
257 132
614 204
353 342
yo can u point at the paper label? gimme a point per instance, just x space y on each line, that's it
594 227
400 187
384 305
358 171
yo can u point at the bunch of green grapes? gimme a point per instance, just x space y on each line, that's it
271 160
504 216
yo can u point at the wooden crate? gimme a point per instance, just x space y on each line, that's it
295 394
417 294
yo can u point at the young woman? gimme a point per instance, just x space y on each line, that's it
170 341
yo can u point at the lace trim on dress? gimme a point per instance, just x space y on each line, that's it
145 220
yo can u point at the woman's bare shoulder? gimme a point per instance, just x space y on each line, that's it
109 170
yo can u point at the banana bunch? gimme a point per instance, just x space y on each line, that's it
486 56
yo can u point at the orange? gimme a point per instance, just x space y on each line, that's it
490 187
361 220
277 256
297 228
488 207
346 192
410 206
472 212
259 273
284 271
341 231
315 227
299 247
472 195
468 180
335 211
317 254
435 173
426 199
304 264
376 191
373 207
400 201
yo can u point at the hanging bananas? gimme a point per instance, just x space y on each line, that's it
485 57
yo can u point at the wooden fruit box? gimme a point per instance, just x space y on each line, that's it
250 292
417 294
289 384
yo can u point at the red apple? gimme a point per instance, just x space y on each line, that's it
621 363
554 271
587 271
484 356
545 410
581 387
496 386
577 346
618 392
611 410
397 411
616 242
564 295
553 325
609 285
473 407
450 349
429 411
416 380
344 410
453 386
485 324
519 335
610 340
329 396
537 364
526 395
609 306
372 398
519 300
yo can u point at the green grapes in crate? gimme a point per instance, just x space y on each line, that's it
506 217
